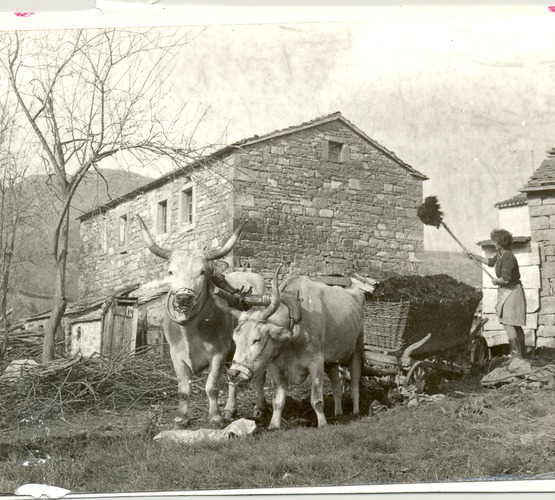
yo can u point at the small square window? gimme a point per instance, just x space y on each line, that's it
334 151
162 217
123 226
187 206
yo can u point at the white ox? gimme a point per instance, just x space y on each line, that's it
329 334
198 330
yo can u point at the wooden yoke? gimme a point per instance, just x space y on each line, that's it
244 300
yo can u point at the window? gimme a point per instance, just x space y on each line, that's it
334 151
103 237
162 217
123 227
187 205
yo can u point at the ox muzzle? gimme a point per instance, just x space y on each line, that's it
184 299
239 373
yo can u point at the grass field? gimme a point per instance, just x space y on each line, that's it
485 434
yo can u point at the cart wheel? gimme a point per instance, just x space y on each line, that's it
418 376
479 356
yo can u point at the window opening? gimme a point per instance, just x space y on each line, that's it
162 217
123 230
334 151
187 206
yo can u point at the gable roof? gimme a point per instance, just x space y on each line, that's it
543 179
85 306
516 201
337 116
226 150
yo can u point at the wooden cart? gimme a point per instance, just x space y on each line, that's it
411 341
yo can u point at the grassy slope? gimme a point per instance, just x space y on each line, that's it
455 264
501 434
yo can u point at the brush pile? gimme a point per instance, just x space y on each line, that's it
24 344
68 386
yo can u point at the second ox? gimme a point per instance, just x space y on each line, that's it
197 329
328 333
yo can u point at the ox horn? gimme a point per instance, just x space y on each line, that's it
275 298
153 247
219 252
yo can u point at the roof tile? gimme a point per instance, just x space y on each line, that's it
516 201
544 177
248 141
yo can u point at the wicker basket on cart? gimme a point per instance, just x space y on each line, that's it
393 326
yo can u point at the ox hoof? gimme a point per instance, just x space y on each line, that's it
230 414
217 423
260 411
179 423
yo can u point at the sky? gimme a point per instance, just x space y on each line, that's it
468 101
463 95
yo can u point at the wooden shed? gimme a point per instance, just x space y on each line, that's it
106 325
119 326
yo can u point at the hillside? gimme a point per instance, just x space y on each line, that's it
455 264
36 275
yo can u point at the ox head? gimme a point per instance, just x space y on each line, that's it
189 273
257 340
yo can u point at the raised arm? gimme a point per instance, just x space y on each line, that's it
484 260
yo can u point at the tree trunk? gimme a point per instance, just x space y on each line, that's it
58 309
4 313
4 318
59 303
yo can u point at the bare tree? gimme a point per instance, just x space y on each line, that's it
88 96
14 210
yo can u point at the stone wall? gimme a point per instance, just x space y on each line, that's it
106 266
84 338
542 224
323 200
326 217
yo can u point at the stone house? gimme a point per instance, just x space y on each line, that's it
322 197
513 216
530 216
540 194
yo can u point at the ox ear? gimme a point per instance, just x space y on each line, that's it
219 266
280 334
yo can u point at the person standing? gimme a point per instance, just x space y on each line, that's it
511 301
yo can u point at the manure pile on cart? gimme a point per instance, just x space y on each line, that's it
434 288
404 309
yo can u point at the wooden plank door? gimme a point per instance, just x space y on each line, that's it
119 331
125 323
107 331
